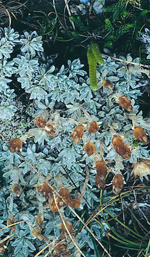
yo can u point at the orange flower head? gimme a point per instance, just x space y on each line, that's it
77 134
117 183
15 145
140 134
90 148
93 127
125 103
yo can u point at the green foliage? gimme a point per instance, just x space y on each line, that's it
135 2
118 9
109 25
115 23
123 29
124 21
78 24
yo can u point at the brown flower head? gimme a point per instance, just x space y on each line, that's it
16 189
2 248
125 103
36 232
90 148
40 122
59 248
100 180
64 198
141 169
15 145
53 206
77 134
50 130
100 177
45 190
75 203
65 195
10 221
63 229
64 192
107 84
140 134
93 127
117 183
101 168
121 148
39 220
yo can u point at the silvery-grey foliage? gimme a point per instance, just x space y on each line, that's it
58 159
145 37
